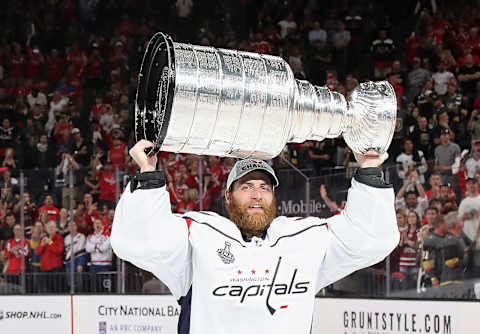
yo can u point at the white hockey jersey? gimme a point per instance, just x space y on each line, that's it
265 285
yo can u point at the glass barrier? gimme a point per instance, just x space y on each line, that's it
35 198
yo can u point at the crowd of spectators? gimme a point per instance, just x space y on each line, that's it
68 76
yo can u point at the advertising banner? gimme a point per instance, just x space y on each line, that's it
125 314
34 314
370 316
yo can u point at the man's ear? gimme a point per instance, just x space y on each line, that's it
227 196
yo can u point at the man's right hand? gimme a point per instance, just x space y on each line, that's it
146 163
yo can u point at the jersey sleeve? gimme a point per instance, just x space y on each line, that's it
362 235
146 233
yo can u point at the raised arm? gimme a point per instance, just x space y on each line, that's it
331 204
366 231
146 233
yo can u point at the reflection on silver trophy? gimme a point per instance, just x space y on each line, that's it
203 100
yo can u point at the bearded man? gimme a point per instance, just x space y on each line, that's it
252 272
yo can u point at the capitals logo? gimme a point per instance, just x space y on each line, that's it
102 327
273 288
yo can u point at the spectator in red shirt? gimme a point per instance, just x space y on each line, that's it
55 66
176 187
17 62
77 57
474 40
259 44
467 50
91 211
50 209
118 58
51 250
97 109
414 47
107 185
192 180
108 221
171 164
125 28
190 201
95 69
215 169
118 153
63 129
35 63
210 186
16 251
227 166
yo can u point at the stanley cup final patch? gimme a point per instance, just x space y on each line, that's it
225 254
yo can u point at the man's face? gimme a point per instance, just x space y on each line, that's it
408 146
108 168
51 228
476 148
111 214
422 123
48 200
37 229
87 198
72 226
411 200
17 231
177 177
10 220
251 203
444 138
43 139
430 215
435 180
213 160
444 192
98 226
472 187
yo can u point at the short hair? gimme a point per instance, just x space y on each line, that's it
451 219
432 208
410 192
439 220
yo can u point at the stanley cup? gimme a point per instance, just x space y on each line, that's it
204 100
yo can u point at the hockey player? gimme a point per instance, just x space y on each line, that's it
253 272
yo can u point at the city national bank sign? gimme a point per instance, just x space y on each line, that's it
128 314
361 316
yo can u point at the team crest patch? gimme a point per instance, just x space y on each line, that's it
225 255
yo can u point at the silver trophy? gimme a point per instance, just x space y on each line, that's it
203 100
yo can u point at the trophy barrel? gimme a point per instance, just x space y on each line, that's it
203 100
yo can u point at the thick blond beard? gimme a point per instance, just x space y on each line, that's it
251 224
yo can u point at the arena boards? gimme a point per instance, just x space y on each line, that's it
159 314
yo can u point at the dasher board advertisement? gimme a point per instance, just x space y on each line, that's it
373 316
125 314
34 314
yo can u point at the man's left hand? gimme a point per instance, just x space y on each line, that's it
370 159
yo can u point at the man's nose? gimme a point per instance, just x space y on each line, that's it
256 194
